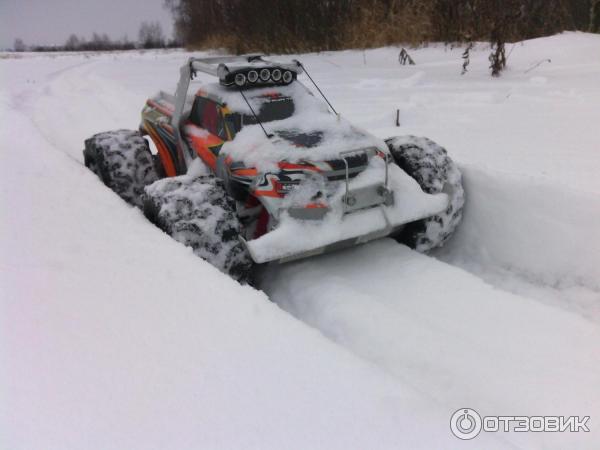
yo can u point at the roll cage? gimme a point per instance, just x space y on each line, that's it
229 70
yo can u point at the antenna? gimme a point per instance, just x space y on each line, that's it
315 84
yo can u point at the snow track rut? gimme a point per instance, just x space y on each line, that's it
444 331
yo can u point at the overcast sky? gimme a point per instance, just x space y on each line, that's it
52 21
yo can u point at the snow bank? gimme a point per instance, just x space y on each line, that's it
107 346
543 232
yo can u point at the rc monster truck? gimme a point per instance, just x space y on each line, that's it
254 168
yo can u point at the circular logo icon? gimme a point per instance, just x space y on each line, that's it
465 423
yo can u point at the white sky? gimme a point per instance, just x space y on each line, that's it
52 21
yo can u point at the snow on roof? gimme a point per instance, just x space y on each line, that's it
231 96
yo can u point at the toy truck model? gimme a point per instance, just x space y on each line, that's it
254 168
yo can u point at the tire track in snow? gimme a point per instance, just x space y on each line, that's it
30 100
446 333
75 103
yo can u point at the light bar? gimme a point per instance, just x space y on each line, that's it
256 76
246 71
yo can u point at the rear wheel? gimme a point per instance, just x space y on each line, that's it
197 212
123 161
430 165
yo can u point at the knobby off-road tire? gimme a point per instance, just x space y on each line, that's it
197 212
430 165
123 161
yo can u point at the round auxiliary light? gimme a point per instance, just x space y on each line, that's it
252 76
240 79
265 74
287 77
276 75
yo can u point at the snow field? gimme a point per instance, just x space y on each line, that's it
115 336
448 334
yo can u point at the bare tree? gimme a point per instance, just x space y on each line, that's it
19 45
125 44
72 43
595 17
96 42
151 35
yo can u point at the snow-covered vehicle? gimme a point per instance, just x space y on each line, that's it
255 168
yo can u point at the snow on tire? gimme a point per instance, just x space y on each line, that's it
430 165
197 212
123 161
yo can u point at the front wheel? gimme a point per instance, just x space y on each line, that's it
430 165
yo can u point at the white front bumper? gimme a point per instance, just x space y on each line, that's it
295 239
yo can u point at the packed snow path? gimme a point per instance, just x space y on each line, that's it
445 332
425 337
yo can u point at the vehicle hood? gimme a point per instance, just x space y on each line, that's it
298 139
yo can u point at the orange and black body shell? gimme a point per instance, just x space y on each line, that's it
206 137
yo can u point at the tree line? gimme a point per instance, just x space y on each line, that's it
150 35
313 25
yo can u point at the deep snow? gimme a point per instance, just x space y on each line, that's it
112 335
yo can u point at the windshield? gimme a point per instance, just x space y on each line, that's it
275 107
